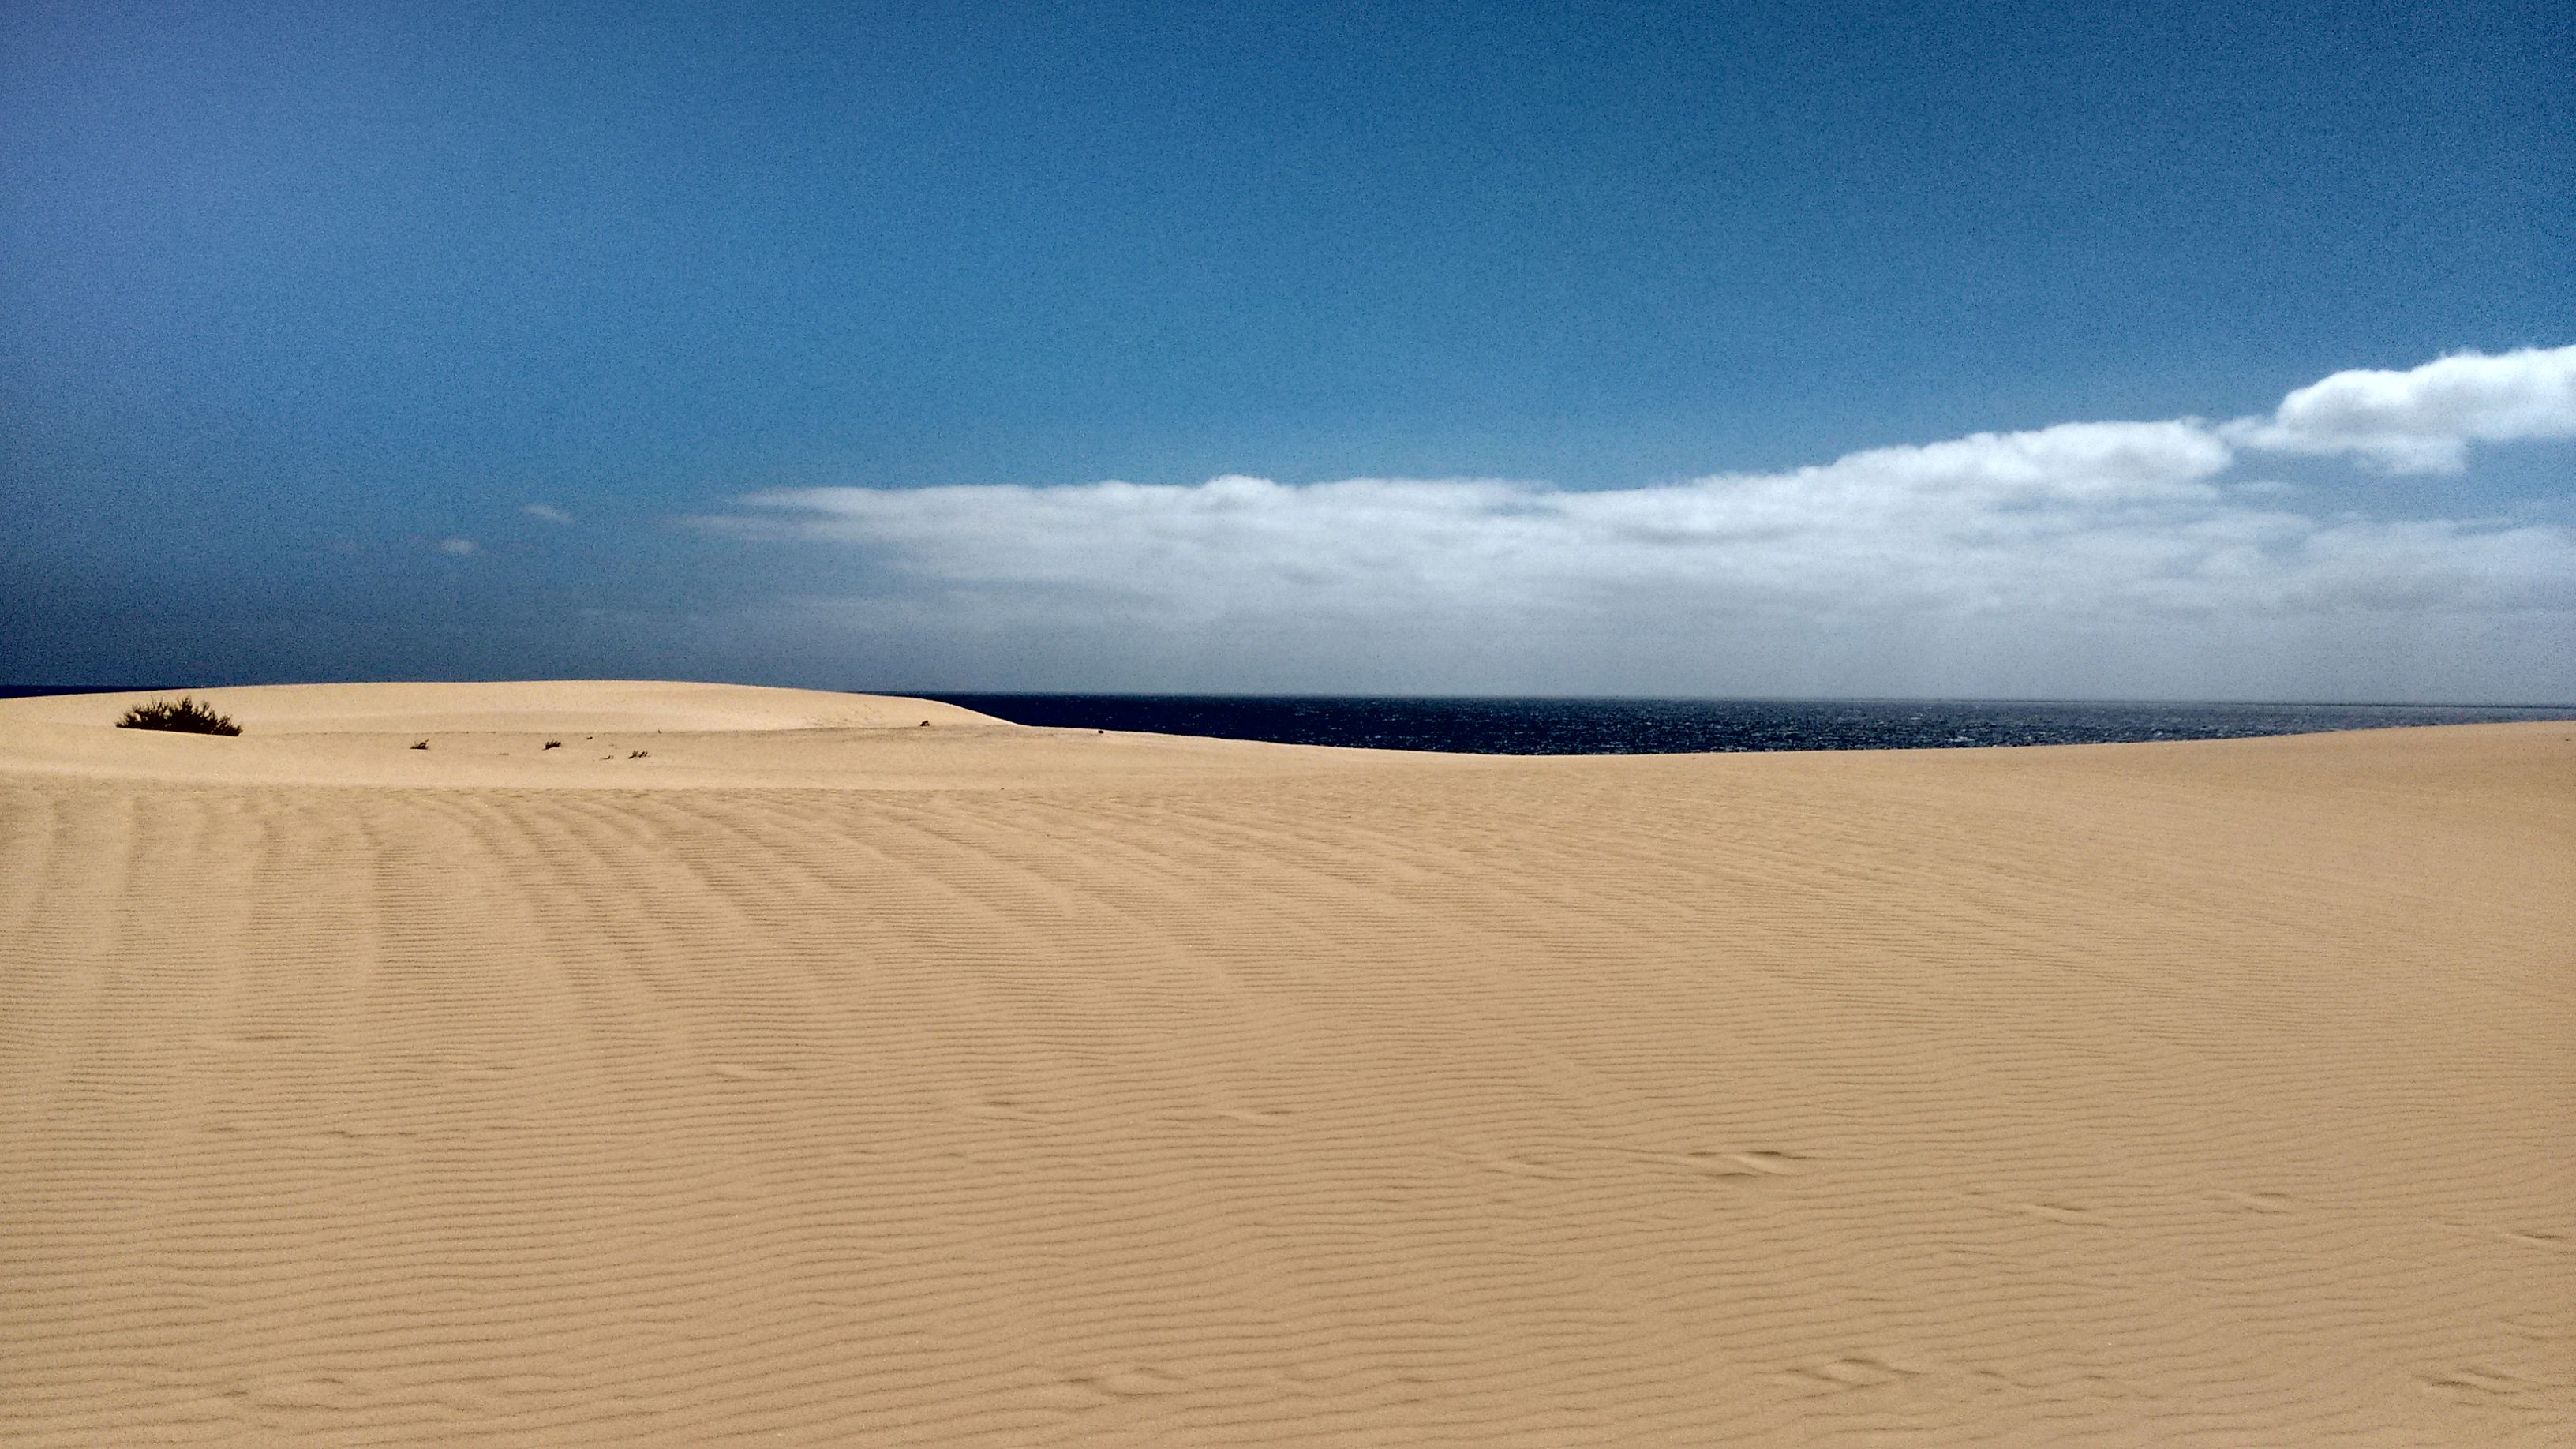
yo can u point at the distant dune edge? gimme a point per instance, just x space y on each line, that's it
764 1066
580 704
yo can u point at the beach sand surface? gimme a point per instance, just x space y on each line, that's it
769 1067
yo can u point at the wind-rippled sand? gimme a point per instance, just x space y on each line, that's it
818 1077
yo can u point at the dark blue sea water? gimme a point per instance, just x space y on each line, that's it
1685 726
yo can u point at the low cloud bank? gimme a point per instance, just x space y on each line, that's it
2088 558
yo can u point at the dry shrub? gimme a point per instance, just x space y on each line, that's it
186 716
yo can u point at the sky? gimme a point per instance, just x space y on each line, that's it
2157 351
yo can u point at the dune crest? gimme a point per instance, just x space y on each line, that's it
859 1083
520 705
608 734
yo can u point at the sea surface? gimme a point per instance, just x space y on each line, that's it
1690 726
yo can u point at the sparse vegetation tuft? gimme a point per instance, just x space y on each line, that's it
186 716
552 745
424 744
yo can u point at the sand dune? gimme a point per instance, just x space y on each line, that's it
592 705
819 1078
612 734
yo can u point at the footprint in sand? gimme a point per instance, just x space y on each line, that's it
310 1391
2476 1385
1134 1382
1096 1389
1253 1115
1740 1164
1522 1166
2055 1212
1851 1371
995 1105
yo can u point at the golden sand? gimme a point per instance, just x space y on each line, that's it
766 1067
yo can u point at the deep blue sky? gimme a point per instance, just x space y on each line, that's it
294 295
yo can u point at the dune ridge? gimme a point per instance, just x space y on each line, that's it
517 706
861 1083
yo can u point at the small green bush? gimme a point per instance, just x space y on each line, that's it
187 716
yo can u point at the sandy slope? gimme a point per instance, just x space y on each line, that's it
611 733
881 1085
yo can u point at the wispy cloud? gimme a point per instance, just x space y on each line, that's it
546 511
461 547
2012 547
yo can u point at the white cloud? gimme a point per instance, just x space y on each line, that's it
546 511
2422 421
461 547
2087 558
2080 517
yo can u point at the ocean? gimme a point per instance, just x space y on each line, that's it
1691 726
